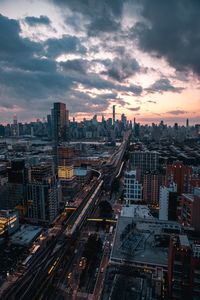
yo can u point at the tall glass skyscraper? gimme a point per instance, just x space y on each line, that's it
59 122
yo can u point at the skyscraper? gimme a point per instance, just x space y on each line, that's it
59 118
59 122
43 194
49 126
17 179
15 126
65 164
113 118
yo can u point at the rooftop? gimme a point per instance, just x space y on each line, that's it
130 173
136 211
142 241
80 172
26 235
184 240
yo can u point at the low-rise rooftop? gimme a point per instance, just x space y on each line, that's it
142 241
136 211
26 235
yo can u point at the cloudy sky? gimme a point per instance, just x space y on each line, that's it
141 55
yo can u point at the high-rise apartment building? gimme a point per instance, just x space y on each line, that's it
9 222
59 122
181 175
17 180
168 202
49 126
151 186
113 117
66 155
42 194
144 160
60 132
133 189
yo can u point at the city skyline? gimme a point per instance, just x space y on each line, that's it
93 55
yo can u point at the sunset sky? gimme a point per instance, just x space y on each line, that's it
141 55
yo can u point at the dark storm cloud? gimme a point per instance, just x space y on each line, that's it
42 20
121 102
74 21
103 16
95 81
13 48
24 75
77 65
66 44
38 65
102 24
32 78
29 72
171 31
34 85
134 108
177 112
83 102
7 105
122 68
163 85
94 7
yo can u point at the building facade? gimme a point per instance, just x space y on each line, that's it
151 187
190 209
42 194
9 222
166 197
183 268
59 122
181 175
144 160
17 180
132 188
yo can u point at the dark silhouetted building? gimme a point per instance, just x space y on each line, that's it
17 180
113 118
59 122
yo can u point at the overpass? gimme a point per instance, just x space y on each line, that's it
112 169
